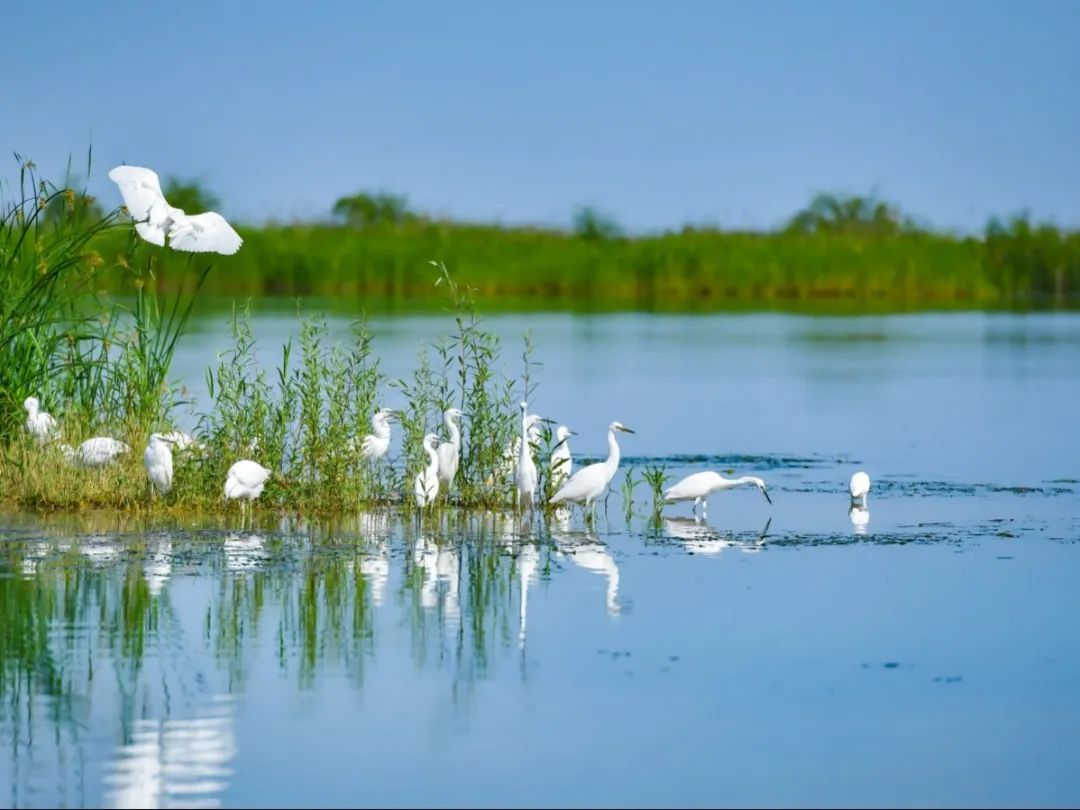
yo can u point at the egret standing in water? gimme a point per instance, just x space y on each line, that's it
860 488
40 424
450 452
245 481
158 461
376 443
525 475
155 218
562 463
96 452
426 483
586 485
699 486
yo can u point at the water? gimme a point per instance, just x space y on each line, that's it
771 655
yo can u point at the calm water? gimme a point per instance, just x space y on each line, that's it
774 655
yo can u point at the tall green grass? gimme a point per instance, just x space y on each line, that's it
1018 264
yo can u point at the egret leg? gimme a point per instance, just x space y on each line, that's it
704 508
697 503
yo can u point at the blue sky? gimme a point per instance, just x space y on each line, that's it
658 113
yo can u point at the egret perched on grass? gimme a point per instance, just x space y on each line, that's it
586 485
376 443
860 488
699 486
562 463
40 424
159 463
450 452
180 440
513 447
426 484
96 452
155 218
525 476
245 481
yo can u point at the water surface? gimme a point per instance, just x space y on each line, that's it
769 655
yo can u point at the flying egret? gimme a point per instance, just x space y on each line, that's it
525 476
562 463
96 452
40 424
699 486
586 485
450 452
426 484
860 488
245 481
158 461
376 443
155 218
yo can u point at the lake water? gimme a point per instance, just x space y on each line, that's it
781 654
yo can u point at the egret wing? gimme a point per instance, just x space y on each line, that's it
140 189
204 233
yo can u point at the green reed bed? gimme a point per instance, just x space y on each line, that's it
1013 265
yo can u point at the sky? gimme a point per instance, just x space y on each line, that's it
656 113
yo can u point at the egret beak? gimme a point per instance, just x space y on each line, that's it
547 421
766 494
573 433
627 430
466 415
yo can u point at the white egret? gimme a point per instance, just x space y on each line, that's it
513 447
155 218
586 485
450 452
95 452
376 443
860 488
525 475
180 440
245 481
426 484
40 424
562 463
158 461
699 486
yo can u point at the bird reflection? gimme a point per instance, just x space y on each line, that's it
528 560
175 762
244 552
592 555
860 518
441 564
698 537
101 551
158 566
375 567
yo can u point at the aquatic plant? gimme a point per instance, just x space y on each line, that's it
655 475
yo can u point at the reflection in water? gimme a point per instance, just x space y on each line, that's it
135 629
594 556
860 518
174 762
698 537
158 566
244 552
